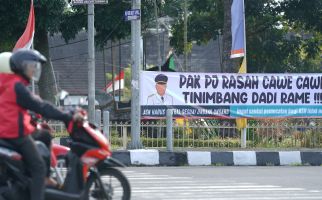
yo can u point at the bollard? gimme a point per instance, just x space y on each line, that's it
106 124
124 137
243 138
98 118
169 130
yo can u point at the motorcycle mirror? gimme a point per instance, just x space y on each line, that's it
63 95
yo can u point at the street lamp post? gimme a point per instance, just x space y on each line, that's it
91 64
135 83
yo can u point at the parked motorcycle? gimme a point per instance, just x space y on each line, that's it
91 171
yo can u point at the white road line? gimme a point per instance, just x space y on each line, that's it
212 187
232 195
146 186
160 178
314 191
147 190
246 198
181 183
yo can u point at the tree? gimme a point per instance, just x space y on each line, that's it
109 21
229 65
48 17
54 16
282 36
276 43
205 22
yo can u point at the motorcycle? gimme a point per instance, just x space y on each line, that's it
88 161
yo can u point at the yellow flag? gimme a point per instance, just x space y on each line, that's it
185 124
242 122
243 68
180 122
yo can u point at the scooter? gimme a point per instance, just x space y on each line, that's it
89 162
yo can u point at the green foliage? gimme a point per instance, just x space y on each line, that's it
304 14
48 17
109 21
13 20
183 143
110 24
127 85
74 20
282 36
49 14
171 8
55 16
109 76
275 45
126 92
205 21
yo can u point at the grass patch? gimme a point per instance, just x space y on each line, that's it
296 164
218 164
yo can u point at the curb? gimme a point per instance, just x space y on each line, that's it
230 158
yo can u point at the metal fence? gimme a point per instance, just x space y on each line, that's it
218 134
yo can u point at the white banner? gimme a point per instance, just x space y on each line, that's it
234 91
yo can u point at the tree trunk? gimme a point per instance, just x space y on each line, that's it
229 65
46 83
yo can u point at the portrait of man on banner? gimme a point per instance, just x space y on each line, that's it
160 97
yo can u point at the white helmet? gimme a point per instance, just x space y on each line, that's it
5 62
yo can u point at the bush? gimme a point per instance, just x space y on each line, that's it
183 143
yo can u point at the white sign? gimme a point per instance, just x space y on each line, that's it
134 14
81 2
238 95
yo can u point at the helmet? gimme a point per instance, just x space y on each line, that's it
27 63
5 63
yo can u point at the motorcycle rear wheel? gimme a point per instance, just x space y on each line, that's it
116 186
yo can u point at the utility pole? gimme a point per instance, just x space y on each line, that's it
91 53
158 46
158 36
91 63
185 36
135 83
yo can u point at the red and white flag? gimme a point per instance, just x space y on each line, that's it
118 83
238 29
26 40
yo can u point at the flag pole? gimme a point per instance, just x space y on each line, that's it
33 47
245 52
240 6
244 129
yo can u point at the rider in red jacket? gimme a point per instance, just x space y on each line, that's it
15 101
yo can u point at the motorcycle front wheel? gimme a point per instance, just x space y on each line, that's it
115 186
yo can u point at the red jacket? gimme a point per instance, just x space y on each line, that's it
15 120
15 100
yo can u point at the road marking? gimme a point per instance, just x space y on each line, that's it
146 186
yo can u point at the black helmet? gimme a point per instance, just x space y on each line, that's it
23 60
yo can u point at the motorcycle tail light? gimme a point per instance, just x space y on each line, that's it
16 157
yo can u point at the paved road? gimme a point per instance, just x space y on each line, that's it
225 183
